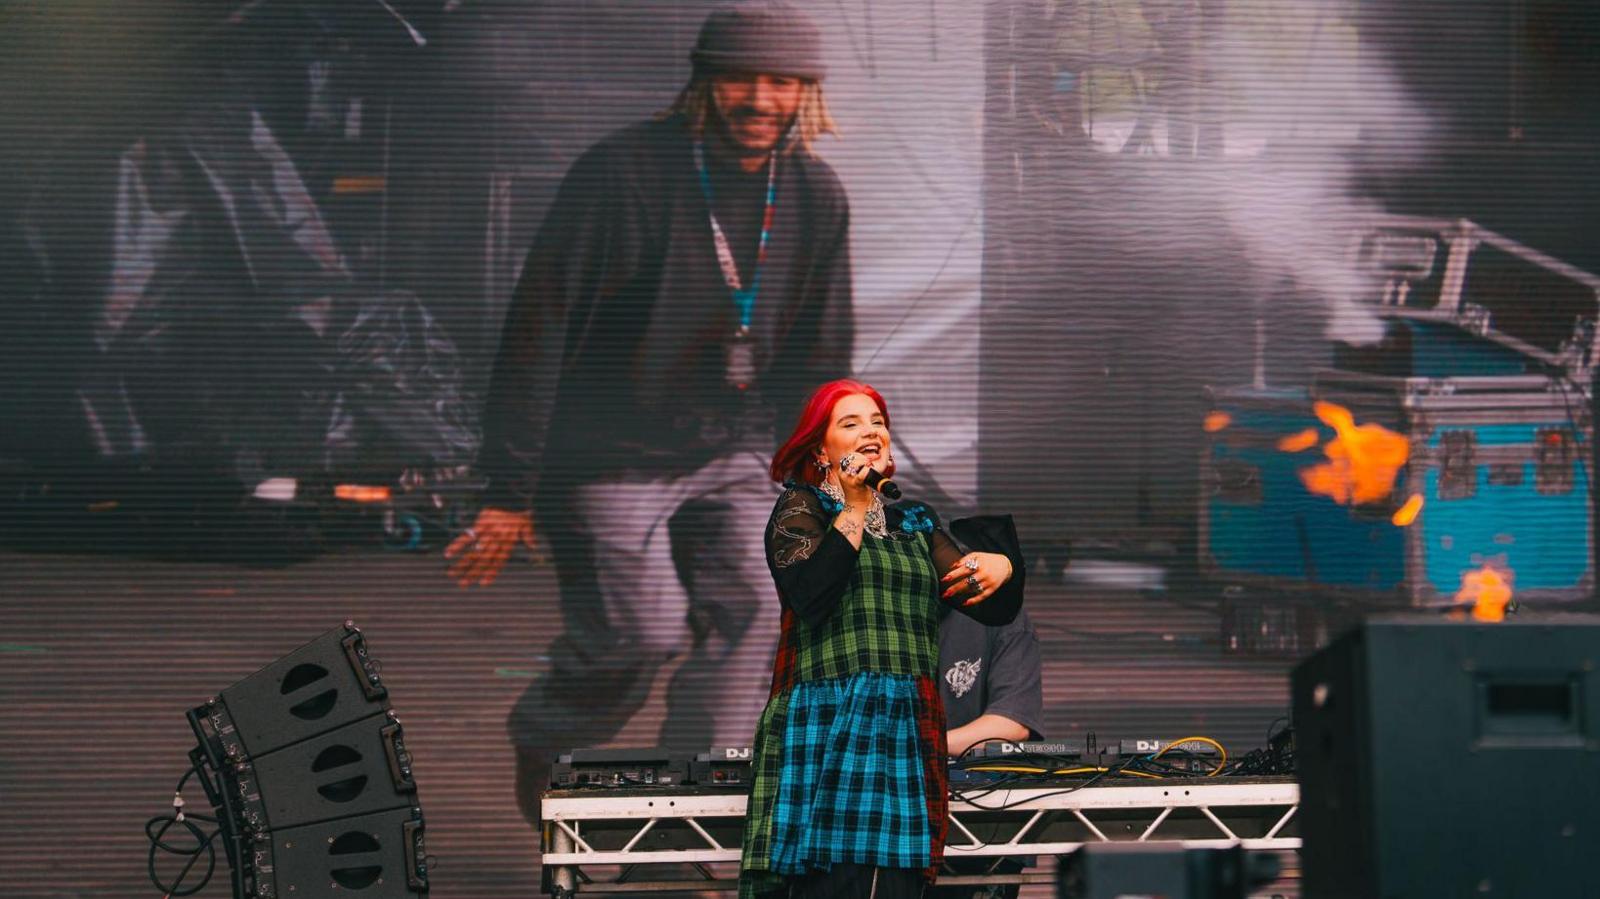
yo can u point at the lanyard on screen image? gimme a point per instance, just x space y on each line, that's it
744 298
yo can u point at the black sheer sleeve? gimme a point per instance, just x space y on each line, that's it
982 533
811 562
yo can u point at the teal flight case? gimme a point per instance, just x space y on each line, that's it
1494 477
1473 408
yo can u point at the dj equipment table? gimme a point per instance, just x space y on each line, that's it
688 838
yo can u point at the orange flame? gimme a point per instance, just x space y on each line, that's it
1216 421
1487 591
1363 460
361 493
1296 443
1406 514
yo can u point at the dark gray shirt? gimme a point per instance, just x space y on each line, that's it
990 670
613 352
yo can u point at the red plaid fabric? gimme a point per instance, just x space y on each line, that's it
930 730
783 667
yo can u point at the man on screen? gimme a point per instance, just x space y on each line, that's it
691 282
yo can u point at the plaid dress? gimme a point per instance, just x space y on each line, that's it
849 753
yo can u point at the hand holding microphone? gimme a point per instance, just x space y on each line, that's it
872 478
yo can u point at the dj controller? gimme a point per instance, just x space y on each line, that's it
986 764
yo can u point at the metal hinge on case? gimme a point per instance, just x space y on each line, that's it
1458 465
1474 318
1553 457
1235 483
1575 350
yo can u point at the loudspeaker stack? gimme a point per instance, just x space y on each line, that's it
311 779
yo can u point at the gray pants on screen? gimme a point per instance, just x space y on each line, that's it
652 568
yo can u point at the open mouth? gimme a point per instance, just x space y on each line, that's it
872 450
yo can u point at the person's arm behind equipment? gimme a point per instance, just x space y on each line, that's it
1013 707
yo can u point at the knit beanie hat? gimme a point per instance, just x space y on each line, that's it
769 37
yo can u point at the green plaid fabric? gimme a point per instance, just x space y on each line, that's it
756 877
887 622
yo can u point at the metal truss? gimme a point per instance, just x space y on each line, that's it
686 838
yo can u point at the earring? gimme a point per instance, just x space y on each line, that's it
822 463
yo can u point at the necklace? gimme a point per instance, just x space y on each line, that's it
876 524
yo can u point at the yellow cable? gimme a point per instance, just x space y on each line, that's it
1220 748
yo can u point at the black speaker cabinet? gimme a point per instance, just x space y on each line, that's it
1450 758
323 685
360 768
377 855
309 772
1123 870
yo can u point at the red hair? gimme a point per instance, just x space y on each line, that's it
795 460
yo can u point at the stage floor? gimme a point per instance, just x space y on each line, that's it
101 655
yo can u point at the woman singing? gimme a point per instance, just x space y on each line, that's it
849 793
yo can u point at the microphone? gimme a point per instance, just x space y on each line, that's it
883 485
877 481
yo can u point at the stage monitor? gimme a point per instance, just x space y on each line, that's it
1451 758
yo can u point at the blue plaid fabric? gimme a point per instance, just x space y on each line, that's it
851 784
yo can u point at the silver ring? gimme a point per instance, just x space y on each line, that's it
972 581
971 563
471 532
